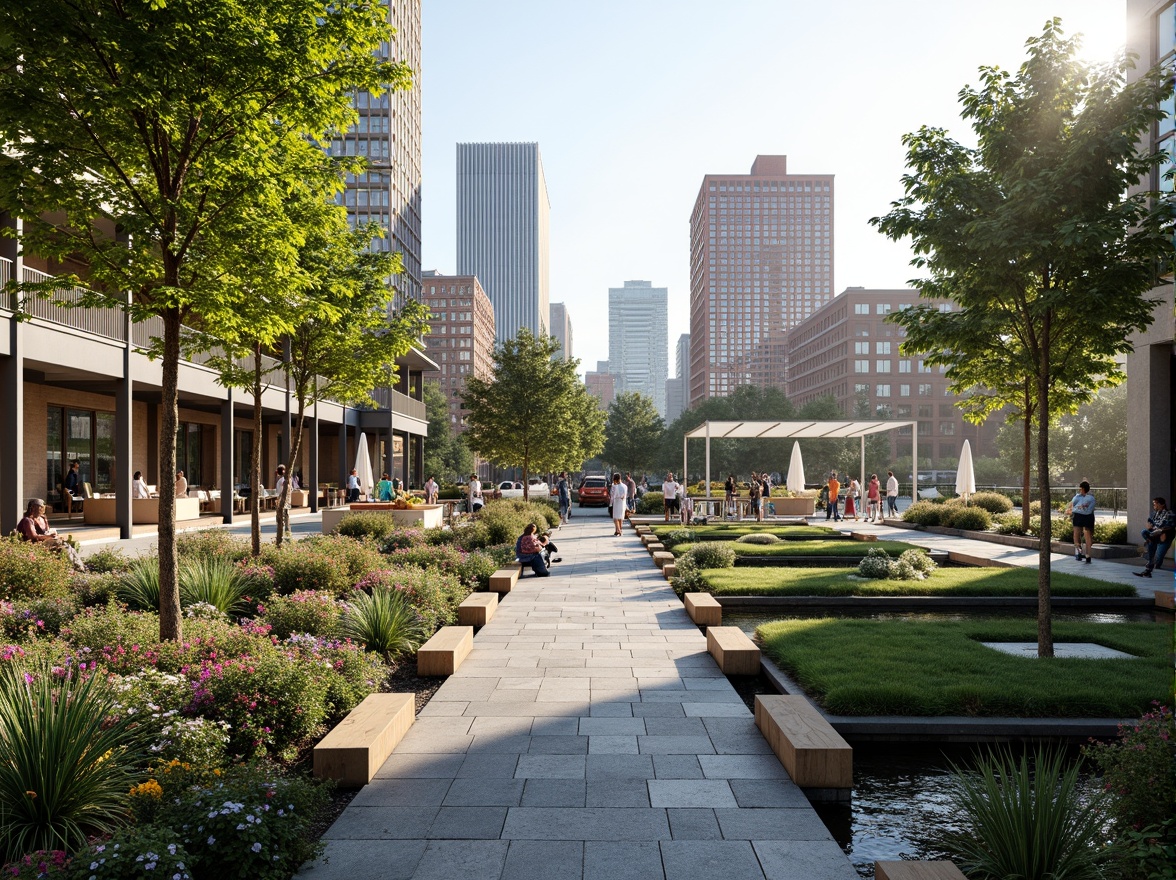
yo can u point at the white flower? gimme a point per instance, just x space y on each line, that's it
256 847
212 841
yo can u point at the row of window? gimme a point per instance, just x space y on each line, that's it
883 366
774 186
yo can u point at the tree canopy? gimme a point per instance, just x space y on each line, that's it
534 412
446 455
1033 235
632 433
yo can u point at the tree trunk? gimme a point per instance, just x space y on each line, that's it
1044 612
255 464
171 619
295 449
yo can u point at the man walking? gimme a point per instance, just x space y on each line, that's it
1157 537
670 493
891 493
631 486
565 497
834 491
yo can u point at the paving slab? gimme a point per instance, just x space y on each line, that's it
587 735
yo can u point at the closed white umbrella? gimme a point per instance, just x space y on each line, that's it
965 473
363 467
795 481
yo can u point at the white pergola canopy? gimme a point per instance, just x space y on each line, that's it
801 430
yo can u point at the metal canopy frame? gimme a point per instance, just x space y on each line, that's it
803 430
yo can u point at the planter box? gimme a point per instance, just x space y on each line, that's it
800 506
427 516
101 511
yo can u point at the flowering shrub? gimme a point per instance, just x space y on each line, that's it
1139 769
349 673
252 825
212 543
432 595
919 560
144 851
446 559
912 565
331 563
875 564
366 524
105 560
35 617
34 866
303 611
688 578
478 565
203 611
32 570
399 539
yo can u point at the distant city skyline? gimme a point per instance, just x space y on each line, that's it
619 111
638 341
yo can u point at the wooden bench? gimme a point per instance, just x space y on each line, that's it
650 538
670 570
442 654
813 753
656 547
663 558
863 536
359 744
735 653
477 609
940 870
1164 599
503 580
704 609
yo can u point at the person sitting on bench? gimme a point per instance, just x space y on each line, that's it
529 551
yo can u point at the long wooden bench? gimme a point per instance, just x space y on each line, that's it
813 753
477 609
359 744
938 870
442 654
735 653
503 580
704 609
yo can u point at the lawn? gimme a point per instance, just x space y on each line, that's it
732 531
852 549
773 581
886 667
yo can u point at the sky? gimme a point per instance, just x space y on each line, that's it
633 102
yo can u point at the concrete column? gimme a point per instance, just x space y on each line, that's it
123 446
12 491
152 443
312 472
1151 452
344 467
285 443
227 482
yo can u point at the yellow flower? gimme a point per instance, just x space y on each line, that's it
150 788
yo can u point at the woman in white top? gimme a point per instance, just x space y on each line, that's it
139 486
617 496
181 485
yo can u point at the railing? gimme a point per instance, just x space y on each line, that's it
60 309
387 398
5 277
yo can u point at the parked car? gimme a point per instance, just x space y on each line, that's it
537 486
509 489
594 490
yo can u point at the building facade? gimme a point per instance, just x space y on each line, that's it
761 261
1151 365
601 384
638 339
848 350
678 388
503 232
461 336
388 135
561 329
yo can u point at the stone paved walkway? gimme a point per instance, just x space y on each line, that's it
588 735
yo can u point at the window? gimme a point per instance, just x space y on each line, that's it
861 389
883 309
947 429
925 411
946 410
84 436
925 391
904 410
861 348
861 366
924 368
882 391
882 366
881 348
904 391
924 429
861 308
904 366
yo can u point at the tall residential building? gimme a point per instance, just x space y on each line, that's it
388 133
561 329
461 335
848 350
678 388
761 261
502 231
601 384
674 400
1151 362
638 340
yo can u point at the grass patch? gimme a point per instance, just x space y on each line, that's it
852 549
732 531
772 581
885 667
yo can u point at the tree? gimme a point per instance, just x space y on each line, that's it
153 141
633 431
1032 236
534 412
446 455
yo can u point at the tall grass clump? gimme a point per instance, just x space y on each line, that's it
1027 819
138 585
383 621
67 765
213 580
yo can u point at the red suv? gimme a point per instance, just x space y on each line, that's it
594 490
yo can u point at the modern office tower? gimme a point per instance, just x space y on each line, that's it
561 329
388 133
1151 362
674 399
637 340
678 389
761 261
502 231
461 335
601 384
848 350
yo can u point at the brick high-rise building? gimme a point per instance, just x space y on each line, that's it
761 261
461 335
848 350
601 384
502 232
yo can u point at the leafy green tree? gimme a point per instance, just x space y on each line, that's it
446 455
633 431
154 142
1032 236
533 413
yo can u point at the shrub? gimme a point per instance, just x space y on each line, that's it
478 565
67 766
256 823
433 596
912 565
688 578
1139 770
384 622
1023 821
111 625
919 560
402 539
39 865
993 502
35 617
710 554
146 851
679 536
31 570
758 538
332 563
924 513
1114 532
650 503
974 519
303 611
875 565
1007 524
96 588
105 560
215 581
366 524
212 542
502 522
